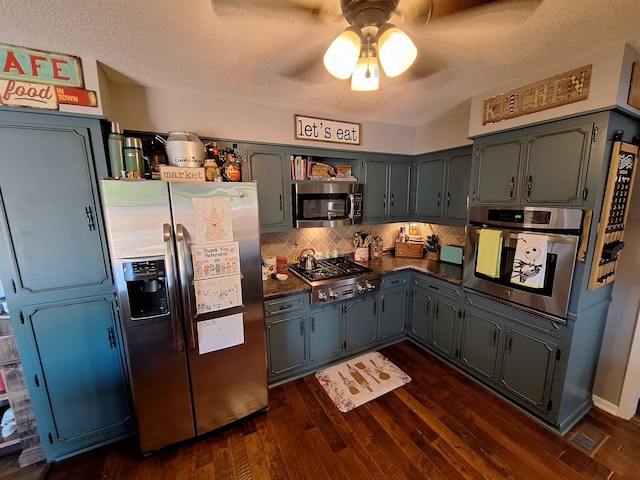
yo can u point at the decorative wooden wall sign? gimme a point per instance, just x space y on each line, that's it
324 130
568 87
37 79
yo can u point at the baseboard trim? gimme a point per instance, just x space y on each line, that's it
605 405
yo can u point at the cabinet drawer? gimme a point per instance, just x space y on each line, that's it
286 304
537 323
392 280
437 286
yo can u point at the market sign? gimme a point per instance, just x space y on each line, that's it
323 130
37 79
568 87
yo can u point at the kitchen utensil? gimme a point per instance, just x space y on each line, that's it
352 389
381 374
308 261
358 377
184 149
365 369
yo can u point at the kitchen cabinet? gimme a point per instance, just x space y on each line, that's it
441 186
326 333
270 168
480 342
393 305
361 322
540 165
57 279
387 190
72 356
285 323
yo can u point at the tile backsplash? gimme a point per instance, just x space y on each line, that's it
290 244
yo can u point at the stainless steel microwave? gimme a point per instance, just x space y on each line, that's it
327 204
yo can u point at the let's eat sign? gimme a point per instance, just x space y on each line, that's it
323 130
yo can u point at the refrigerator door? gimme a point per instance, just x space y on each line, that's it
229 383
139 224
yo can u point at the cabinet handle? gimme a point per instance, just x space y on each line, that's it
313 324
375 307
428 306
437 309
302 328
494 337
286 306
509 344
384 201
448 198
512 186
90 220
383 305
529 184
280 202
438 199
13 286
392 199
112 337
36 380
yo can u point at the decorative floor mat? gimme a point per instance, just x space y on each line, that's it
360 379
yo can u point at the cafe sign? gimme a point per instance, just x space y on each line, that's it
37 79
568 87
324 130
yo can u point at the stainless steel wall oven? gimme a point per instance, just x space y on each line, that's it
523 256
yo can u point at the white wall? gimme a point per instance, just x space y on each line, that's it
155 110
447 132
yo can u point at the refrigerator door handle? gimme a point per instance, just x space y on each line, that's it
171 286
184 285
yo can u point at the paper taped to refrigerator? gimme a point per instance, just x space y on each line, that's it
219 333
213 294
214 260
213 219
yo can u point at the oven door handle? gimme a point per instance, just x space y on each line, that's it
352 205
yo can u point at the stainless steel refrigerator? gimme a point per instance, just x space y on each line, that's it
187 268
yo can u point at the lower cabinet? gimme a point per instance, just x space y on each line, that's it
326 333
285 323
72 357
393 306
361 322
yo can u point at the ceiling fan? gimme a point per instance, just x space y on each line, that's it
371 39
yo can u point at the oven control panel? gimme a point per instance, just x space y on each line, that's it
335 293
609 241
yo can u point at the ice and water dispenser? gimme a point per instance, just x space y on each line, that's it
146 288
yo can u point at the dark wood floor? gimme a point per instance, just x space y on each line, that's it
439 426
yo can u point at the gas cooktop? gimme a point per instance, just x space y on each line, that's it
336 279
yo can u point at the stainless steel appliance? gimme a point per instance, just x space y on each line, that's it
560 228
335 279
327 204
196 360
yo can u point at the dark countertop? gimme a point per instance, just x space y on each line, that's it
387 264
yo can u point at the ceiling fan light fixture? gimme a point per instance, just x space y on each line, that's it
396 50
342 55
366 75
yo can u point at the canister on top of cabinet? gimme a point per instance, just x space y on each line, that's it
133 161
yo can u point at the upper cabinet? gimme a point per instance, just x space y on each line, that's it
270 168
51 219
441 186
541 165
387 190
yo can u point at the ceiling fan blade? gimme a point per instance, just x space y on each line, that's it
318 10
307 69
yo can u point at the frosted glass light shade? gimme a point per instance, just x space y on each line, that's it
360 81
342 55
395 49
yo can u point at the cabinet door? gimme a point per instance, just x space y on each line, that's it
528 366
48 211
325 334
556 165
375 204
479 345
361 316
458 177
75 376
443 334
285 338
270 169
392 312
496 172
420 315
429 181
399 178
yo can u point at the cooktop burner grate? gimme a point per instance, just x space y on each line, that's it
330 268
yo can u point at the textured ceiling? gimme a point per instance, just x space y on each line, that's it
271 57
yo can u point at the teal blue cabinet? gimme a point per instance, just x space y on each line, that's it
326 333
444 330
286 319
270 168
361 322
387 190
481 340
57 279
420 321
441 186
541 165
74 359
